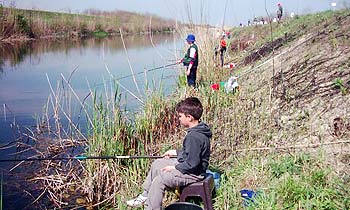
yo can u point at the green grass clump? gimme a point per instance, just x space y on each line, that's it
339 84
283 182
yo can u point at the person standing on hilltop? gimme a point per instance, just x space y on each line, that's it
279 12
190 60
222 49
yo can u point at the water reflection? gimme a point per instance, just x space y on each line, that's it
27 68
16 53
24 66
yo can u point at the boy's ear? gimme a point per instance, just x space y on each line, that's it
191 117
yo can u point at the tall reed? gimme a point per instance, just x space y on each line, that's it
114 134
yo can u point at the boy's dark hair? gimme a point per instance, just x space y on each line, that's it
190 106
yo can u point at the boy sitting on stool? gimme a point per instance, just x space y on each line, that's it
191 163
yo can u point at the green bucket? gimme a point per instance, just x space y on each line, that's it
222 84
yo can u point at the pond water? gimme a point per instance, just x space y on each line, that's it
27 71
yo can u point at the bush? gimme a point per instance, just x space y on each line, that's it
24 26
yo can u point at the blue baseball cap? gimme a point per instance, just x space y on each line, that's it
191 38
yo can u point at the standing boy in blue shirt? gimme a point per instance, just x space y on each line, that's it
190 60
191 163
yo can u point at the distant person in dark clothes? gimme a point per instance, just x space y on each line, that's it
190 60
279 12
255 21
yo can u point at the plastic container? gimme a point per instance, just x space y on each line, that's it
216 177
229 66
249 196
222 85
215 86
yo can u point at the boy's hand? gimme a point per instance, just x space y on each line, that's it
188 72
168 168
169 153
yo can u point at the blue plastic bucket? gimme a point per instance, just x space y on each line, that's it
248 196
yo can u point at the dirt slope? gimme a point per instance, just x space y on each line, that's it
305 86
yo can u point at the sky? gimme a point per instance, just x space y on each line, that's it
211 12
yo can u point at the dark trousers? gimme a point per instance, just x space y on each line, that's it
222 51
191 79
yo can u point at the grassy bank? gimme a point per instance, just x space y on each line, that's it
293 181
24 24
285 134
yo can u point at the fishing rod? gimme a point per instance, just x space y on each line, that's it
87 158
161 67
146 70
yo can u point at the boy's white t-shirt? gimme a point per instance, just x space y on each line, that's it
192 52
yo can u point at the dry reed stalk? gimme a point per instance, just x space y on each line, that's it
59 184
151 38
35 199
47 115
22 151
127 57
4 105
78 99
58 106
105 182
122 86
145 75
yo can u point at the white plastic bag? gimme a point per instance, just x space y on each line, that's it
231 84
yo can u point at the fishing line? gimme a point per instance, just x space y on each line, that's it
5 111
131 75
